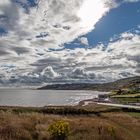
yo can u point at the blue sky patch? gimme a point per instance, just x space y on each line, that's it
125 18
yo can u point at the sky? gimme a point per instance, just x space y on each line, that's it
68 41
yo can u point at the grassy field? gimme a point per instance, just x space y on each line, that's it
126 96
92 122
127 100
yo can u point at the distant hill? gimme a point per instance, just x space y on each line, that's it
119 84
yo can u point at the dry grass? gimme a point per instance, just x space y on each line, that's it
34 126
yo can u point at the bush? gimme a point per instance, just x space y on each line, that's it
59 130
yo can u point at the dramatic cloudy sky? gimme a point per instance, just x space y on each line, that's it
59 41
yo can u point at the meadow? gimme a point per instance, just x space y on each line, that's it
92 122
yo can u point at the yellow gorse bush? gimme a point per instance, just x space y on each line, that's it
59 130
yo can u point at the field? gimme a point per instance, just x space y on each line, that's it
127 100
92 122
127 96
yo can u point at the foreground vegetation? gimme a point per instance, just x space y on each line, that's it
91 122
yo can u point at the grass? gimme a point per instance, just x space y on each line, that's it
126 95
127 100
98 123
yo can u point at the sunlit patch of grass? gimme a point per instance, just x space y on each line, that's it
126 100
127 95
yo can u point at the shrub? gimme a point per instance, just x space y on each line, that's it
59 130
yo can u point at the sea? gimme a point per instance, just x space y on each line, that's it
41 98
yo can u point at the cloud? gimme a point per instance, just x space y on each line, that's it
50 21
32 29
119 60
84 41
131 0
49 73
48 24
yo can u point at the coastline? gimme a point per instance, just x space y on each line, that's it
82 104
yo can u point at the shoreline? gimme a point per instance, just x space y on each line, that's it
104 101
84 103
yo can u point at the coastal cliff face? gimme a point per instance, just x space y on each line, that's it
119 84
